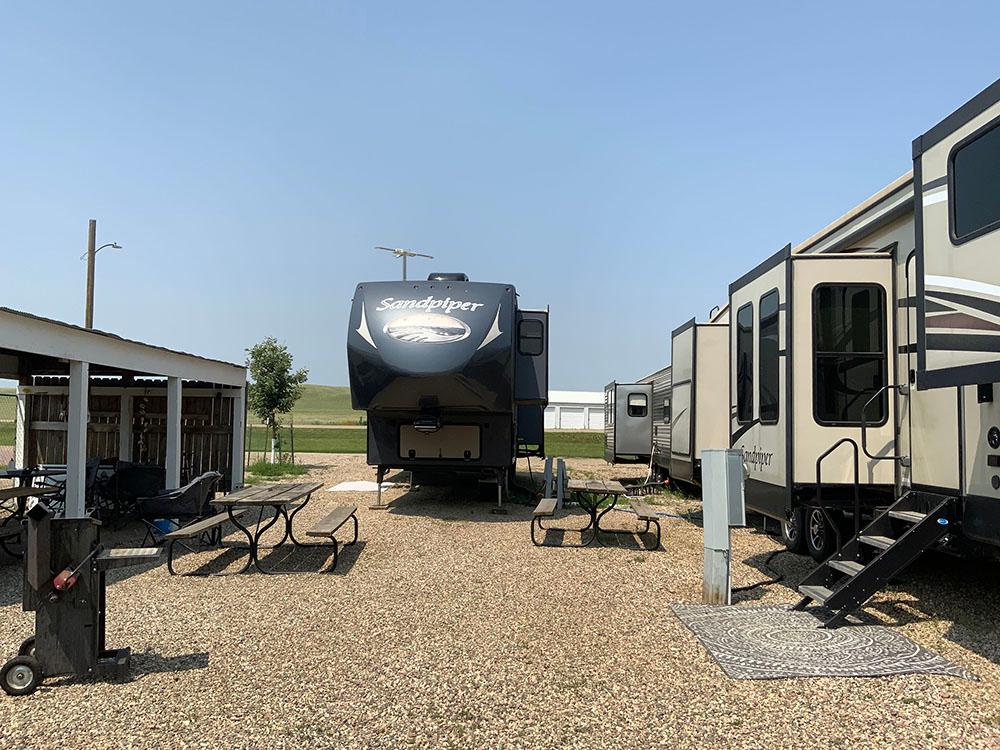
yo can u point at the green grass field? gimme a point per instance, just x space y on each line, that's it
352 440
326 404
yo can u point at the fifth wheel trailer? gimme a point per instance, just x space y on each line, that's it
453 375
928 429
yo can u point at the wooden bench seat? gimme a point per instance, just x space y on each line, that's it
211 525
644 512
546 508
327 527
647 514
199 527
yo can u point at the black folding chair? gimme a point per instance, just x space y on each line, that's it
180 506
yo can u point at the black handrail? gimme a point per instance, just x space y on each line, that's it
864 427
857 489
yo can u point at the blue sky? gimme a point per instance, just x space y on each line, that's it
620 162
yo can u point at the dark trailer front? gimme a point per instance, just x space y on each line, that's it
452 374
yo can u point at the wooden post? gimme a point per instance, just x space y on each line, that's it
76 440
173 464
239 427
125 427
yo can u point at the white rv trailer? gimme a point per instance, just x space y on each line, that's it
912 393
699 356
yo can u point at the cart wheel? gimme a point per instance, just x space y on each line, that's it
21 675
27 648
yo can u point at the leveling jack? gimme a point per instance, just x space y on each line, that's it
68 605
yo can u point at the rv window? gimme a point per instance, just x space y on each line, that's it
769 360
975 201
637 404
531 337
849 343
744 364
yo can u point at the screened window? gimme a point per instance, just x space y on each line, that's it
769 366
975 173
637 405
849 340
531 337
744 364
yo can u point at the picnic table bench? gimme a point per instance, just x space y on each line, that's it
591 494
212 526
286 501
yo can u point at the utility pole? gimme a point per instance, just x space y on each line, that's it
91 255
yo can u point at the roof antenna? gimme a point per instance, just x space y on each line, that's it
403 253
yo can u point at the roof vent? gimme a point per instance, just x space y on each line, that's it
448 277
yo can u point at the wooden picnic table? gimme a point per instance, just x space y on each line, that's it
286 500
590 494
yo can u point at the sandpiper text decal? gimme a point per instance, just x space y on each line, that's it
427 303
757 458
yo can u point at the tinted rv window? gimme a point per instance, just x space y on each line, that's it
975 171
531 337
744 364
768 338
849 340
637 406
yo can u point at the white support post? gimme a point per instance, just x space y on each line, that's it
173 467
76 440
239 436
21 430
125 427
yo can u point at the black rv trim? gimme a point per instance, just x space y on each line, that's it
961 435
967 112
963 342
692 430
957 240
918 249
935 183
683 327
984 372
789 391
892 375
977 303
760 269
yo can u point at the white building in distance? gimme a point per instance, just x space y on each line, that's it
575 410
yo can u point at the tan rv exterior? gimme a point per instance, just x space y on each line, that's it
699 419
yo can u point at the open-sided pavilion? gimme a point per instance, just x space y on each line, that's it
181 411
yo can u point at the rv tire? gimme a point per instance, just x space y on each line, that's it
820 536
791 532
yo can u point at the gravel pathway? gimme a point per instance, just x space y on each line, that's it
446 628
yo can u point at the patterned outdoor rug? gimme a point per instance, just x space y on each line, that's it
770 642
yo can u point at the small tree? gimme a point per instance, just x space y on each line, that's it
274 388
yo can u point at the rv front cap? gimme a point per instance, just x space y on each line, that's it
427 303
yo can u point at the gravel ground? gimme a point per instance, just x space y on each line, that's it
445 628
